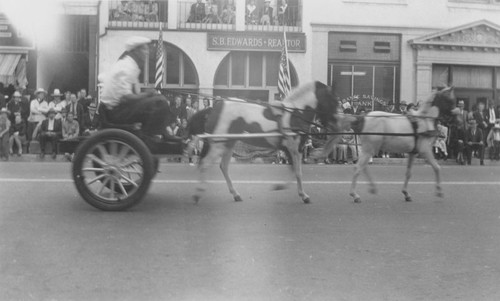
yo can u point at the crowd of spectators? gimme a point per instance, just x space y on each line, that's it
282 14
135 11
47 118
211 12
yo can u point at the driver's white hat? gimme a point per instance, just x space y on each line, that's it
136 41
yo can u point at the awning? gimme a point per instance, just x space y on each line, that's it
8 64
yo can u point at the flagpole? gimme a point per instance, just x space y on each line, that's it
287 60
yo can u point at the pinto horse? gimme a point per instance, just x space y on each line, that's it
230 116
413 133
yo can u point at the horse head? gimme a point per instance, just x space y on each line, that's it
327 104
444 100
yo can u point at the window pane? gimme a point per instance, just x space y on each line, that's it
342 76
221 77
272 68
363 80
238 68
189 72
384 82
472 77
173 66
440 75
255 66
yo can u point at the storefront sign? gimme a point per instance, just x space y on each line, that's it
10 37
256 41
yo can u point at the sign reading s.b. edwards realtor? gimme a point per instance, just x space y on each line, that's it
256 41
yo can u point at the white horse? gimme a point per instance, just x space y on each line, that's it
238 117
419 130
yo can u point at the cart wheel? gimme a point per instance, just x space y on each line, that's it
112 170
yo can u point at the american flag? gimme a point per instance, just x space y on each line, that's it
159 62
284 82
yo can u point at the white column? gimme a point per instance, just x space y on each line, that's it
424 80
318 56
173 14
240 15
103 16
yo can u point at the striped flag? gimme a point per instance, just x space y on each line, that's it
284 82
159 62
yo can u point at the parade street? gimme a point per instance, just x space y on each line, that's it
271 246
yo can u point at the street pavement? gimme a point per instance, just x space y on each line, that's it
271 246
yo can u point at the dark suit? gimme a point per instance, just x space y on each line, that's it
266 11
197 13
51 136
79 115
474 141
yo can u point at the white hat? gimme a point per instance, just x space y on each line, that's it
16 94
136 41
57 92
40 90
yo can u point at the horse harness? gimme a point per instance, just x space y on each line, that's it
414 124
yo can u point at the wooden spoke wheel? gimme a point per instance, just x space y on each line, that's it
113 169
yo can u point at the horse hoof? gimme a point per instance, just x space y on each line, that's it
307 200
238 198
408 199
279 187
440 194
357 200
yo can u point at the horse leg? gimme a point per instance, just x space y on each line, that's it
297 168
224 166
408 176
360 166
432 161
212 154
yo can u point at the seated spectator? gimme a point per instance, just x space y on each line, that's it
197 13
228 15
306 149
440 143
50 132
172 129
456 143
76 109
474 142
17 135
38 109
4 134
14 105
494 142
266 14
191 107
347 142
182 131
251 13
70 127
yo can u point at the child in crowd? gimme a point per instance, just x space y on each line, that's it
440 144
17 135
494 142
4 134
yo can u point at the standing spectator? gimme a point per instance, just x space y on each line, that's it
440 143
4 134
474 141
197 13
251 13
205 104
463 113
177 109
51 131
356 108
17 134
228 15
14 106
38 108
190 107
494 142
266 14
211 12
282 13
491 116
85 100
2 97
481 117
76 109
57 104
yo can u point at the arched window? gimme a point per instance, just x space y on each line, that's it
247 70
179 70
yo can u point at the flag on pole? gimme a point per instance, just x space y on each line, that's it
284 82
159 62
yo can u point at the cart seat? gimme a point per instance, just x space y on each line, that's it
105 123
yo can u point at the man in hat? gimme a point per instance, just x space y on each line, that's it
38 108
50 131
57 104
14 105
266 13
121 96
474 141
4 133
